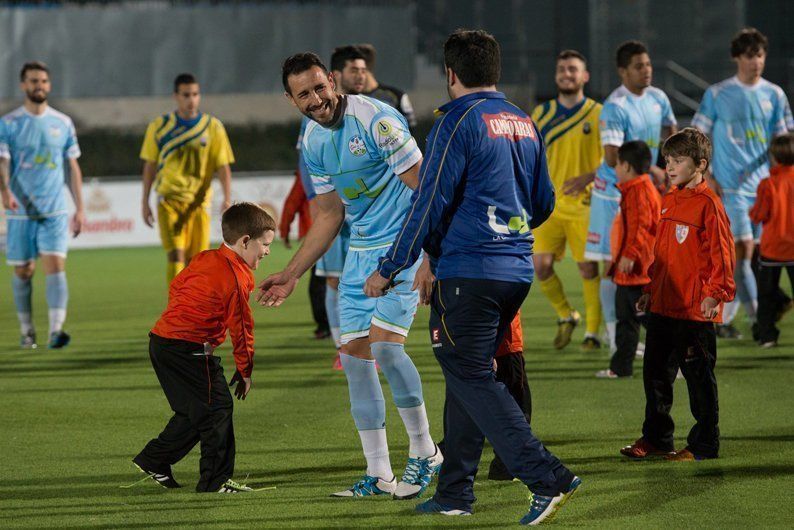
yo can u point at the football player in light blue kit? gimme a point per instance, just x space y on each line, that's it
36 141
742 114
634 111
364 163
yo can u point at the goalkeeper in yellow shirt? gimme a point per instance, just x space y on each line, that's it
182 150
569 126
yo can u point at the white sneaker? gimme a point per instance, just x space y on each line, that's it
418 475
368 487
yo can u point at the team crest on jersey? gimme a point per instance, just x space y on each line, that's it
681 231
203 141
586 128
657 108
356 146
766 106
55 132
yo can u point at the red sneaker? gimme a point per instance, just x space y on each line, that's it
685 455
642 448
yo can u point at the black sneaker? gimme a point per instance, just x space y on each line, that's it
165 480
498 471
728 331
591 344
58 340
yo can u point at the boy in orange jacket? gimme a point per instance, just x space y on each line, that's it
205 300
774 208
633 236
691 279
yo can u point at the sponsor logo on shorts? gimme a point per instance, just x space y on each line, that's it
356 146
594 238
681 231
599 183
508 125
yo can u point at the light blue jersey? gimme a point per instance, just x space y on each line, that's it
742 120
38 147
625 117
360 158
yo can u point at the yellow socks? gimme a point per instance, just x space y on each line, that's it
173 268
552 288
592 304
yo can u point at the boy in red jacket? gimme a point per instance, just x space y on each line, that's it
205 300
691 279
774 208
633 235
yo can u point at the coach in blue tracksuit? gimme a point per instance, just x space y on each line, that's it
483 185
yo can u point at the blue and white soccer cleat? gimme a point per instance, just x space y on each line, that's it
543 508
369 487
28 341
59 339
431 506
418 475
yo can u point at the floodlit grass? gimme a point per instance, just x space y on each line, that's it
71 421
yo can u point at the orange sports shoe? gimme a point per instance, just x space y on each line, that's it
685 455
642 448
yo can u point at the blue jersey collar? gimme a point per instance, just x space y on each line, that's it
486 94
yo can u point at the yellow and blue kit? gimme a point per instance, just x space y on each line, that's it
187 154
573 148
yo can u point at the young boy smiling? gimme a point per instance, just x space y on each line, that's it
205 300
691 279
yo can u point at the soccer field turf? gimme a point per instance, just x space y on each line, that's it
72 420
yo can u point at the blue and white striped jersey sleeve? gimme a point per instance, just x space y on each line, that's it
706 114
393 141
321 181
613 124
782 120
71 148
668 117
5 150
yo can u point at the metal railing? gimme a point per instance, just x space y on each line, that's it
677 72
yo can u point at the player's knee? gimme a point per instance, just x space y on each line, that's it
176 256
399 369
25 272
544 266
588 270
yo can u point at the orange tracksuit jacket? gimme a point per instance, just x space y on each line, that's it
513 341
295 203
207 299
634 229
774 207
694 255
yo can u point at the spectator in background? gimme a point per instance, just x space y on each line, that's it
388 94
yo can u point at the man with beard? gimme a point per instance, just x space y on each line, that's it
633 111
364 164
569 126
35 142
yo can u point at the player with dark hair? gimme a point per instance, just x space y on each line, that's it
742 114
363 163
36 142
388 94
182 150
473 213
205 302
569 126
634 111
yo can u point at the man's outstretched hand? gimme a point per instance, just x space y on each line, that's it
243 385
274 289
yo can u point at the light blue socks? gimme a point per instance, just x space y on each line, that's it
23 290
57 298
399 369
366 396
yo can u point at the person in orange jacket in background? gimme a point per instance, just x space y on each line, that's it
633 236
774 208
206 300
691 279
511 371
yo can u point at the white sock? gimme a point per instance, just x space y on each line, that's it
57 318
376 451
336 335
420 443
611 327
729 313
25 323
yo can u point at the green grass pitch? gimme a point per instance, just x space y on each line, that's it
70 421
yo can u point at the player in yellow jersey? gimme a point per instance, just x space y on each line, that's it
182 150
569 126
